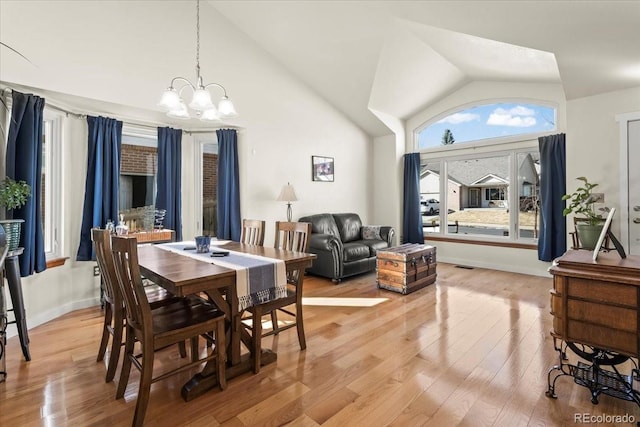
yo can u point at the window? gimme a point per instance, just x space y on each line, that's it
489 194
138 185
51 181
206 163
484 122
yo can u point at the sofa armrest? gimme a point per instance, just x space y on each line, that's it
387 234
328 250
324 242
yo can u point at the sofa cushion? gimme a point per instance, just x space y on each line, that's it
322 224
375 245
349 225
355 251
371 232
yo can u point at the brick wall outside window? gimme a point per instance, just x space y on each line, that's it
138 160
209 175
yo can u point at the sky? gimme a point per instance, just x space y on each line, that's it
490 121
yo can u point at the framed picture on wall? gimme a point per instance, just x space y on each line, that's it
322 168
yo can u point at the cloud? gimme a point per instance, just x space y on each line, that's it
519 110
460 118
518 116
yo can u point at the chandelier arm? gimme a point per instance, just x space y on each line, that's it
218 85
188 83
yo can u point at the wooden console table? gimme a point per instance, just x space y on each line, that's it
596 314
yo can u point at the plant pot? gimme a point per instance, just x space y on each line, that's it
588 235
12 228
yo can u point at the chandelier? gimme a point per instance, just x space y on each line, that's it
201 101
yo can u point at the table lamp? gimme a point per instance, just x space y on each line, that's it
287 195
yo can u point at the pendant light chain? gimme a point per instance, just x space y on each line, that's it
198 42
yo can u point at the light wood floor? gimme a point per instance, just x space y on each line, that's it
472 350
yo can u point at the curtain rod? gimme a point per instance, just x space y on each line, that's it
129 122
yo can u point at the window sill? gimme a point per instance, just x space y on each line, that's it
56 262
530 246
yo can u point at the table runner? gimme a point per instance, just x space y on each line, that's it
258 279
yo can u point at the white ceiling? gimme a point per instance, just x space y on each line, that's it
394 57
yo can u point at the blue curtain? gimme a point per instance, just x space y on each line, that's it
552 241
24 163
229 226
170 178
412 221
103 179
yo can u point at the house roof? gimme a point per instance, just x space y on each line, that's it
472 172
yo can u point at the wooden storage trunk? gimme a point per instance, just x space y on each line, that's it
406 268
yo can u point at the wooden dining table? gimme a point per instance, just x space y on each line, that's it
183 275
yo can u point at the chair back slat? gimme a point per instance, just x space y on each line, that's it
252 232
293 236
102 248
125 260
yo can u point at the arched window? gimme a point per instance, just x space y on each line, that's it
490 194
488 121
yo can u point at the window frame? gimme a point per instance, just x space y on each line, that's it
510 146
143 137
510 150
52 227
200 140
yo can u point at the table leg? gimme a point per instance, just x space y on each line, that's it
12 272
237 364
206 380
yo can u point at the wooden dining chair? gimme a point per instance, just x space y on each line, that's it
114 303
252 232
292 236
159 328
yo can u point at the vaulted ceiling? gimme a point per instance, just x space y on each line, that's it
362 57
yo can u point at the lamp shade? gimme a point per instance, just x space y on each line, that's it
179 112
210 114
287 194
227 108
170 100
201 100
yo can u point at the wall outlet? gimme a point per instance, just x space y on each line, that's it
597 197
96 270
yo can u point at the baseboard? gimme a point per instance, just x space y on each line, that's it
41 318
541 272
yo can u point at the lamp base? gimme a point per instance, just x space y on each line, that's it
289 213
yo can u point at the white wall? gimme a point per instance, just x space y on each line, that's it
282 124
593 142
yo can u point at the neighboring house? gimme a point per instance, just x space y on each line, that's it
430 188
481 183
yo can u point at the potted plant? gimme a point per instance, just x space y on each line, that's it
582 202
13 195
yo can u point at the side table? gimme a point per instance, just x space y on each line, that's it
12 274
